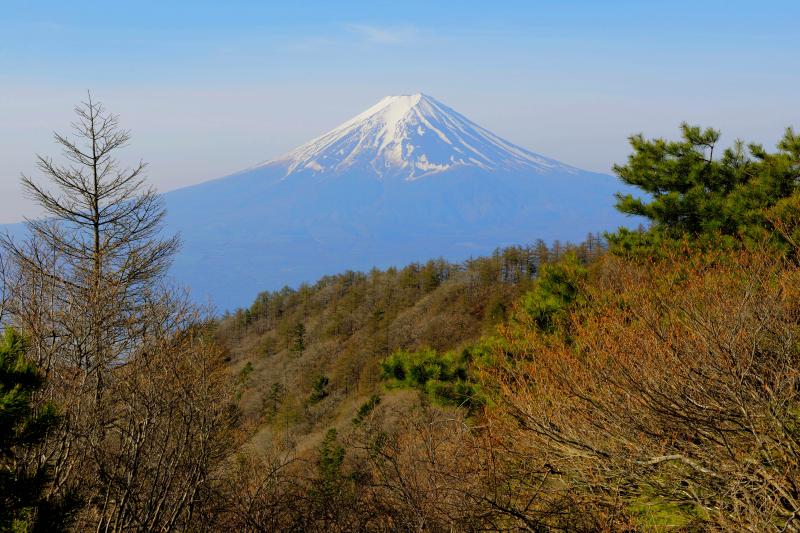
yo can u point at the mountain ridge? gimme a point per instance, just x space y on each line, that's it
370 203
377 204
411 137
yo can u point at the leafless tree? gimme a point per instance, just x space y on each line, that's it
130 363
100 246
172 420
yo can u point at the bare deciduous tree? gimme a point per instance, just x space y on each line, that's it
141 383
100 245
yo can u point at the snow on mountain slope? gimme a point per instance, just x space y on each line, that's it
407 180
410 137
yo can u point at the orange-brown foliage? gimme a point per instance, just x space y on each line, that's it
677 387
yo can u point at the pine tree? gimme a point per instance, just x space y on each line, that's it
22 426
319 390
555 292
690 193
298 339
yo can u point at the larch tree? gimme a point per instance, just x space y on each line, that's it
99 249
128 360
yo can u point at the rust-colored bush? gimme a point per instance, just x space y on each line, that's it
675 397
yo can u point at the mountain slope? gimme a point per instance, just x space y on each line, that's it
410 137
406 180
342 327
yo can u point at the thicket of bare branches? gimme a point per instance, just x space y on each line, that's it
3 290
141 384
677 391
170 432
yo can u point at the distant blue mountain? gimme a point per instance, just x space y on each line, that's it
407 180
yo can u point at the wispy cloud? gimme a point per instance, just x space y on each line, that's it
387 34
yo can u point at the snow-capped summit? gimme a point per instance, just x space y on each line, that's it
406 180
409 137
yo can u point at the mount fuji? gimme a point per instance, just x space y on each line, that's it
406 180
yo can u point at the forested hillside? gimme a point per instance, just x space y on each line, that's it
649 384
307 358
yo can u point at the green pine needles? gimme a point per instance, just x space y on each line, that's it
695 191
23 425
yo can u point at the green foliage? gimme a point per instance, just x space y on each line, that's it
319 390
688 193
445 377
298 339
331 457
271 402
332 487
22 426
554 293
366 408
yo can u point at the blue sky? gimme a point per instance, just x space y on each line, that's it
212 87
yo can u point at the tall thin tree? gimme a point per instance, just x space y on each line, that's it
100 244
